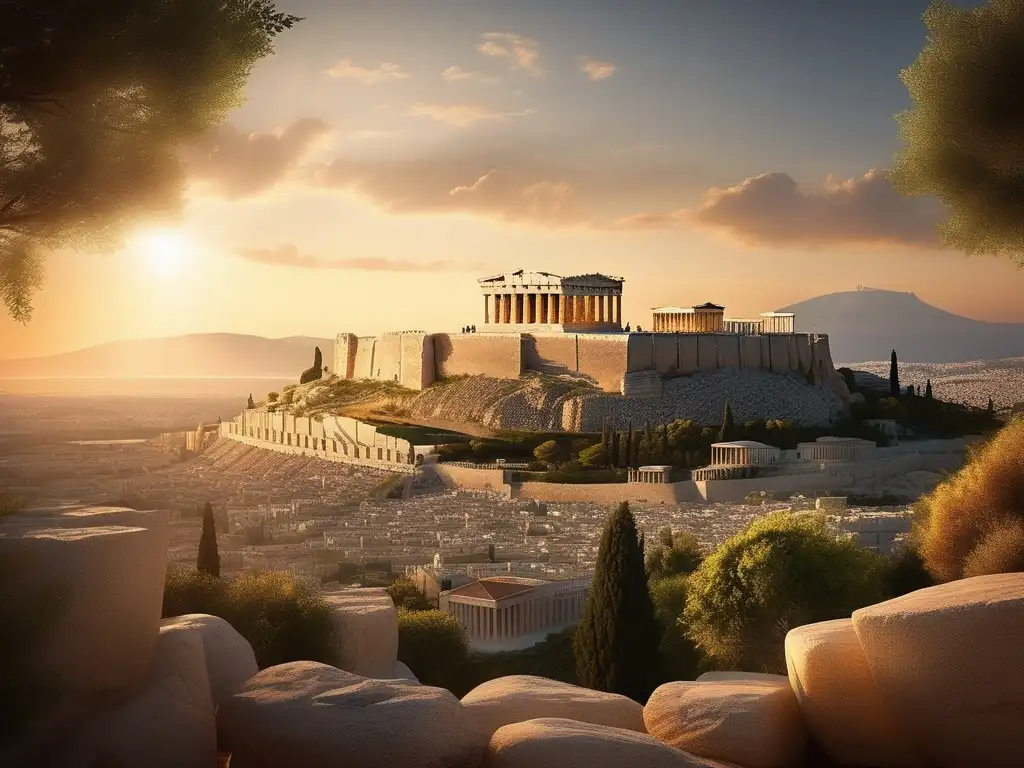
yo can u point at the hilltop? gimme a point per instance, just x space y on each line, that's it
867 324
200 355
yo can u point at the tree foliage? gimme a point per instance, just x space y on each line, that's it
963 135
250 404
728 430
674 554
981 506
783 571
209 558
616 643
894 375
316 371
405 594
548 452
95 99
680 658
433 645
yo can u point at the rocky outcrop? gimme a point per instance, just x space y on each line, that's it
230 660
517 698
752 721
315 716
366 631
561 743
949 665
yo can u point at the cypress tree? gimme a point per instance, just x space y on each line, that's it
616 643
647 456
664 446
251 404
991 410
614 458
627 460
209 559
316 371
928 389
728 430
894 375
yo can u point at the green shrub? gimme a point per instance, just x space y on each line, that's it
433 645
405 594
551 658
1000 550
680 659
783 571
673 554
904 572
283 619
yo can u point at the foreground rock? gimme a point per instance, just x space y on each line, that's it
229 657
559 743
168 724
401 672
92 596
839 700
366 635
750 721
518 698
315 716
949 664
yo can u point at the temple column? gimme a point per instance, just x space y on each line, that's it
618 308
487 310
602 317
517 301
506 308
497 307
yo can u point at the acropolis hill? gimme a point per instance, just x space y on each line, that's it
551 352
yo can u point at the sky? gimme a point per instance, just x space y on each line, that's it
391 153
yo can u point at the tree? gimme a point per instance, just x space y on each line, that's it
666 454
594 456
315 372
616 643
991 408
783 571
250 404
433 645
95 101
675 554
962 134
548 452
728 430
894 375
969 523
627 449
615 457
928 389
405 594
209 558
680 658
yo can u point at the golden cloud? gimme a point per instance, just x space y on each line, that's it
521 51
345 69
594 69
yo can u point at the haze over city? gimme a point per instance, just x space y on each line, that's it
389 155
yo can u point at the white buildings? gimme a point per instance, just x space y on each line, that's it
747 458
505 613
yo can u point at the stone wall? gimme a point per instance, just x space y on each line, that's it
609 493
417 359
498 355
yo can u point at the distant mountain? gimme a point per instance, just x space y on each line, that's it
201 355
868 324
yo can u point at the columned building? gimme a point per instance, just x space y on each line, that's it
508 613
826 449
543 301
742 327
656 473
744 453
777 322
705 318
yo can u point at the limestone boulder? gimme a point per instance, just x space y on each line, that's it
518 698
92 596
561 743
948 662
366 631
750 721
727 675
168 724
401 672
839 700
315 716
229 657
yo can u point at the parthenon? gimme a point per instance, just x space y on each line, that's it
546 301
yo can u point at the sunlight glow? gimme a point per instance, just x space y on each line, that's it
165 251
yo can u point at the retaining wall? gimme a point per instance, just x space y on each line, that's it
499 355
609 493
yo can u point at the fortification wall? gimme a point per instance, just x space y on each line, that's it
610 493
499 355
471 479
417 359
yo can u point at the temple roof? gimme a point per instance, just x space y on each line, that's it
709 305
495 588
525 277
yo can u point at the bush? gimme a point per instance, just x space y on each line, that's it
783 571
674 554
405 594
594 457
967 509
905 572
551 658
680 659
433 646
282 618
1000 550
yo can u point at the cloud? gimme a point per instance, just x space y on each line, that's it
289 256
455 74
521 51
236 164
347 70
462 115
596 70
496 187
771 210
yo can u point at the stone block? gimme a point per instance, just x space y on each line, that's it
363 367
838 698
229 657
417 361
805 352
753 722
639 352
366 631
793 342
948 663
315 716
345 346
750 352
707 352
387 358
688 353
729 351
666 353
518 698
562 743
779 351
551 353
99 591
605 358
169 723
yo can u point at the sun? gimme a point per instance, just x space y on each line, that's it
165 251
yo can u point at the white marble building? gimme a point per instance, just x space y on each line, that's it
544 301
505 613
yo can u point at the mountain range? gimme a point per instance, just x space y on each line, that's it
200 355
867 324
862 325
